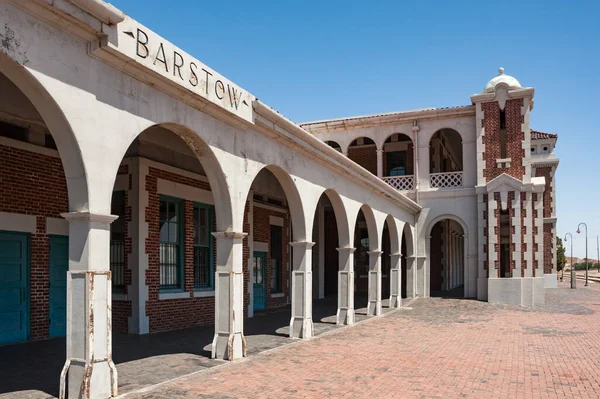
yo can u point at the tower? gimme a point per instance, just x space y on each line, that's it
510 200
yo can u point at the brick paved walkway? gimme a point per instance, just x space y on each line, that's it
439 348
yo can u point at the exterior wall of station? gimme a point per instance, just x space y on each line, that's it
70 152
531 159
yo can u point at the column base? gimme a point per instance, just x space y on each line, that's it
344 316
395 301
228 346
551 280
97 379
301 327
482 288
374 308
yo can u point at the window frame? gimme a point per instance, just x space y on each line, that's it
211 257
121 196
279 269
180 242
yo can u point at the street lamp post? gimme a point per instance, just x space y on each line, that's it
598 248
573 274
586 251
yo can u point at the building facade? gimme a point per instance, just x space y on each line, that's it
485 181
142 191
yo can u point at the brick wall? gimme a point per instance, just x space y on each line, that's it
548 248
514 138
34 184
365 156
173 313
121 310
546 172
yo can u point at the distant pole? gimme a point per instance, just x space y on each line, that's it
598 248
586 251
573 275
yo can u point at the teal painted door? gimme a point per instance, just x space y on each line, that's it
258 280
59 265
14 287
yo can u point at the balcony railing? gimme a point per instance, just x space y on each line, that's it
447 179
400 183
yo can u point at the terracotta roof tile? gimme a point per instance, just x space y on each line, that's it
536 135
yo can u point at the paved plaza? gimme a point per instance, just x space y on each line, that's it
434 348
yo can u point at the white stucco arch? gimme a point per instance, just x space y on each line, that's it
394 233
349 142
381 142
341 217
214 172
59 127
444 217
300 227
408 235
373 230
431 132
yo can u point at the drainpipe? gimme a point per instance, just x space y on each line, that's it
105 12
415 130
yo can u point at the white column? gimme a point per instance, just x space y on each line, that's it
89 371
395 280
229 342
345 311
301 324
374 305
380 163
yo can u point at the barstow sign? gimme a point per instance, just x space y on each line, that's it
137 43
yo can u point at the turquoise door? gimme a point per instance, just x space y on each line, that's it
258 280
14 292
59 265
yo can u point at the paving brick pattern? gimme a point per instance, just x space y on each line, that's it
436 348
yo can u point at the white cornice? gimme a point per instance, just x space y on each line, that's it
392 118
513 93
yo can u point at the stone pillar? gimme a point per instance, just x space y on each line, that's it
395 280
301 324
374 305
380 163
229 342
411 275
89 371
345 311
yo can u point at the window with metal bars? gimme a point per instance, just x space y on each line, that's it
275 247
117 242
170 255
203 247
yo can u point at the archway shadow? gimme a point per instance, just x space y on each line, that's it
455 293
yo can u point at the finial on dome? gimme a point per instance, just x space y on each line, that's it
501 71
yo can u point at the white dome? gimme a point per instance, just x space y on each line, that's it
511 82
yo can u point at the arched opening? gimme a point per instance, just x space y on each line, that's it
169 202
445 159
34 249
398 162
406 259
365 241
334 145
363 151
330 232
446 258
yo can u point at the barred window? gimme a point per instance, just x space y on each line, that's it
203 244
117 242
275 247
170 257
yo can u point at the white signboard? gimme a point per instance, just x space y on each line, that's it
149 49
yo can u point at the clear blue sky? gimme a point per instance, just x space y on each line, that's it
325 59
